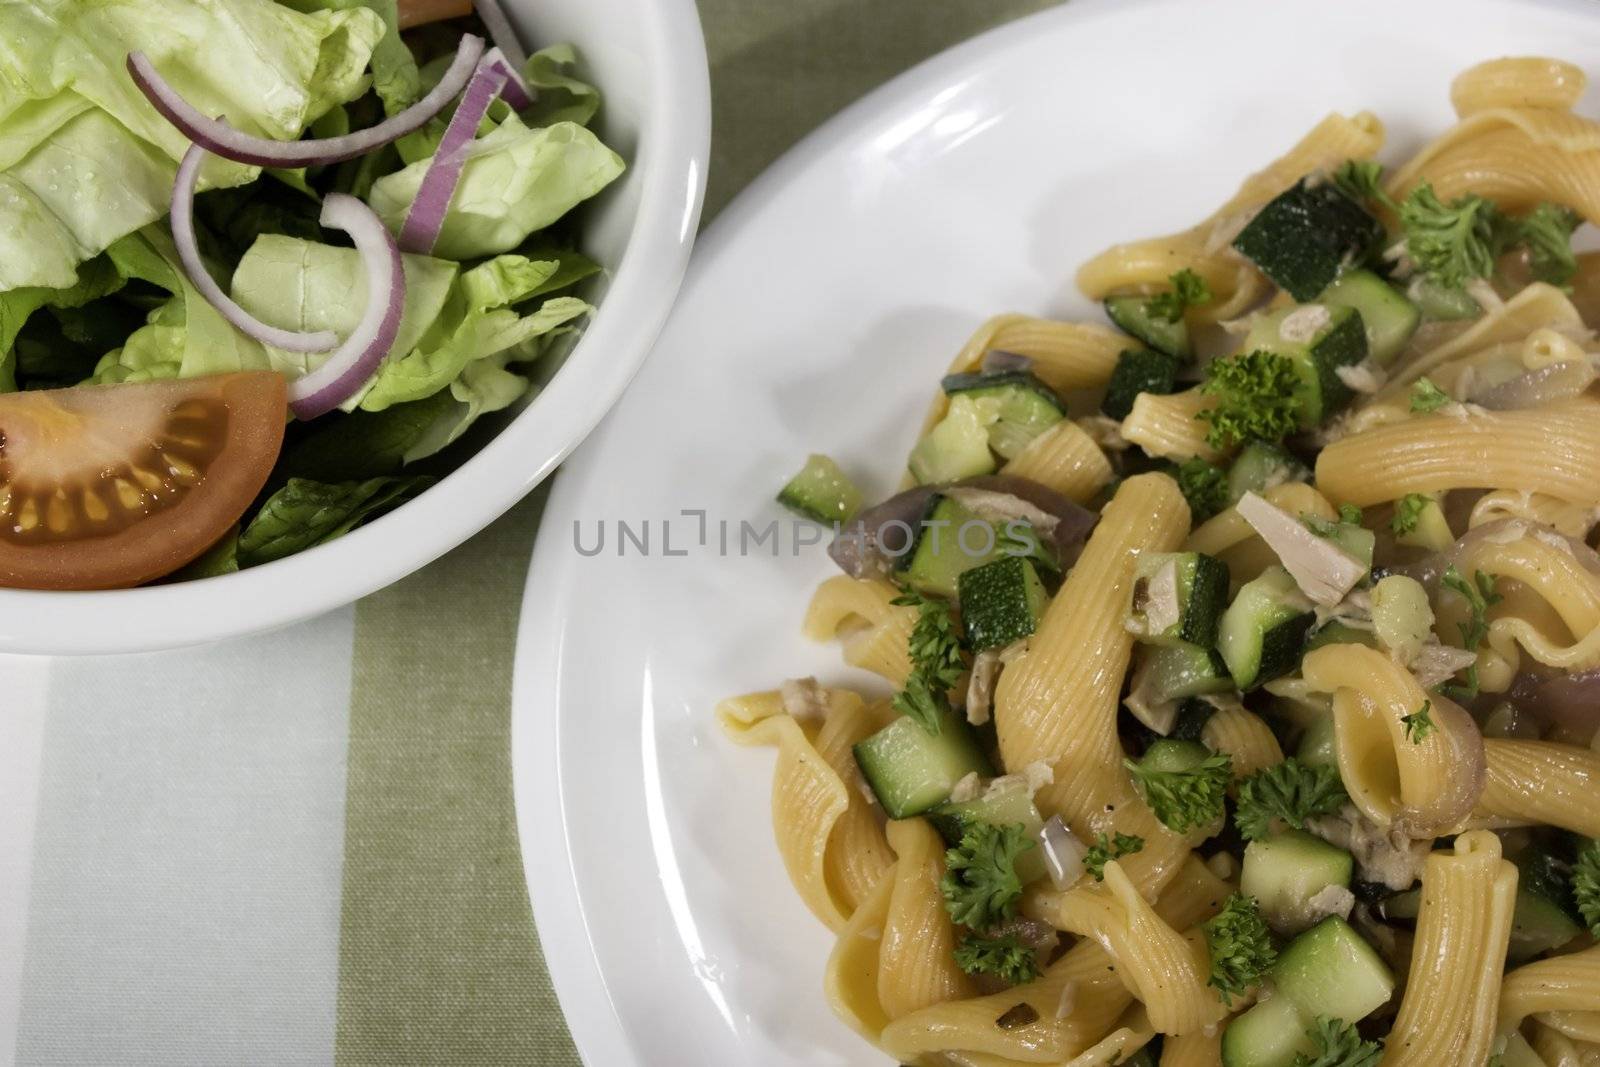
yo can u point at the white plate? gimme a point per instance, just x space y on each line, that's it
817 316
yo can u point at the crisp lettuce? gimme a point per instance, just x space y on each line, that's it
517 180
302 285
185 337
305 513
84 158
395 77
453 321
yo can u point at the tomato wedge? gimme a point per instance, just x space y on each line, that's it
108 486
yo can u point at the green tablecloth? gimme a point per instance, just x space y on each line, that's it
408 939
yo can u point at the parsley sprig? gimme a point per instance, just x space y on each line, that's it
1408 512
1204 486
1005 957
1427 397
1241 947
1480 597
1338 1044
1290 792
936 665
1361 180
1188 290
1256 399
1186 799
1105 849
1419 724
980 885
1586 886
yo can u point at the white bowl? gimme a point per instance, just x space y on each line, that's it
648 58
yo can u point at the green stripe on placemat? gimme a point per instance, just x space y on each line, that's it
438 958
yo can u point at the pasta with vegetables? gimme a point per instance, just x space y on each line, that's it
1245 653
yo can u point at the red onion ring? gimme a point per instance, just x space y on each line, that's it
500 31
189 254
516 92
217 137
425 217
354 361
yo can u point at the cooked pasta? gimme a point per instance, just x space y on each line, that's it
1319 563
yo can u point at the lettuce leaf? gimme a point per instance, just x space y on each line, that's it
84 158
395 77
305 513
517 180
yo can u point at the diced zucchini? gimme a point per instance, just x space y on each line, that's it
1330 970
1022 406
1270 1034
958 445
1338 633
1538 924
1441 303
1431 531
1178 598
821 492
1354 540
951 541
1389 318
1183 670
1405 906
1169 754
1318 340
1307 235
1259 467
1192 718
1264 629
1007 805
1317 746
911 770
1285 871
1132 315
1543 919
1001 602
1138 370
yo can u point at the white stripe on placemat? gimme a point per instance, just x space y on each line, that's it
188 855
22 680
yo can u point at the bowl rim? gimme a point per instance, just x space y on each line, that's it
673 148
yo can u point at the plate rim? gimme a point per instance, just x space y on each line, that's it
582 991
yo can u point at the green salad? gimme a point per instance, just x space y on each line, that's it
263 264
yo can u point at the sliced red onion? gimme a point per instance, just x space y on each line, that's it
425 217
353 362
500 31
217 137
515 92
189 253
1063 853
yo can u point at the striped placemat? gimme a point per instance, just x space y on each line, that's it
300 848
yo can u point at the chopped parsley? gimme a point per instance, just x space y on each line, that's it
1241 947
1546 232
1408 512
1105 849
936 663
1291 792
1455 242
980 885
1427 397
1351 514
1419 724
1255 394
1338 1044
1188 290
1586 886
1184 800
1480 596
1005 957
1360 180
